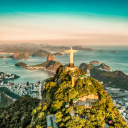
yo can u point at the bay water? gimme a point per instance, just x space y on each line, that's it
117 61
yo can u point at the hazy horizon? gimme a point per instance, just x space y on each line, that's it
85 22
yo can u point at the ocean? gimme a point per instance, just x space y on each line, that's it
118 61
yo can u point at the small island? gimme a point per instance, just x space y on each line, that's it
21 64
115 52
102 50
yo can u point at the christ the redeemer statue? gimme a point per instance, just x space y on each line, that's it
71 51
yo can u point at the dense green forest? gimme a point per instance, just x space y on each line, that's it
59 91
9 93
4 101
116 79
18 115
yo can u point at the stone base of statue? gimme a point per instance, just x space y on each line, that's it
71 65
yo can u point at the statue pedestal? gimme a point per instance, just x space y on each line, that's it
71 65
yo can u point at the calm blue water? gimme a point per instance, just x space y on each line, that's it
115 61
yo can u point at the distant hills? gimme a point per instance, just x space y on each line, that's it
24 51
116 78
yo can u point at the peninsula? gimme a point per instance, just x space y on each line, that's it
50 65
116 79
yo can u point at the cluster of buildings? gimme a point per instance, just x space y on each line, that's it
120 100
33 89
116 92
122 106
6 76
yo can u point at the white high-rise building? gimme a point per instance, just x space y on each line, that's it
40 91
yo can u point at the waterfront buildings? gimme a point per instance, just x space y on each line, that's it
33 89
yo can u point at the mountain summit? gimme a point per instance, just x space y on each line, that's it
71 99
50 57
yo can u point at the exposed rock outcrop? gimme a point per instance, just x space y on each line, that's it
50 57
15 55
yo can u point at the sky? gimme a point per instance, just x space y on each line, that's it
91 22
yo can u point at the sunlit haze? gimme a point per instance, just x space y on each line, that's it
74 22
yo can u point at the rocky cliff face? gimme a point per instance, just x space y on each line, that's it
50 57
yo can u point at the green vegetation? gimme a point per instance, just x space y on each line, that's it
85 66
18 115
21 64
48 64
117 78
59 91
104 66
4 101
9 93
